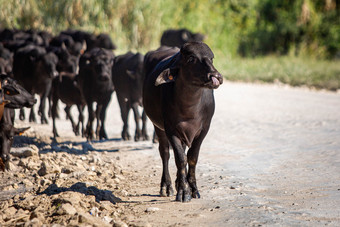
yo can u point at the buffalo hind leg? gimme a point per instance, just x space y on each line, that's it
68 114
32 117
144 131
166 188
138 132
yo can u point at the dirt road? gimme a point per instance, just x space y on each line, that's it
271 158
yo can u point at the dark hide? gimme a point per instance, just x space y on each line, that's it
66 89
23 99
178 98
128 82
104 41
92 41
95 81
74 48
8 89
176 38
34 68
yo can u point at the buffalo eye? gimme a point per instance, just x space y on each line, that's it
191 59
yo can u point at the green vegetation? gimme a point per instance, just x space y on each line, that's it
289 70
302 32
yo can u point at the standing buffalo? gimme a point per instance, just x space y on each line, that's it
176 38
35 68
102 40
95 81
178 98
128 82
65 88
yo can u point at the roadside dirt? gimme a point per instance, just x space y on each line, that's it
271 158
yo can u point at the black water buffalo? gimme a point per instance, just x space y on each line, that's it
178 98
95 81
35 68
92 41
73 47
66 62
127 77
66 89
151 60
9 89
177 37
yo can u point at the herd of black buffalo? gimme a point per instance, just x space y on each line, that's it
174 84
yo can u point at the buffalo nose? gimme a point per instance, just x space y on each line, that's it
214 74
104 78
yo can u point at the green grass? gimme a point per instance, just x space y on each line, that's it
320 74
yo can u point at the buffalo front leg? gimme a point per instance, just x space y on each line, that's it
193 153
22 114
32 117
102 132
42 109
98 111
124 112
166 188
89 130
81 119
183 188
54 115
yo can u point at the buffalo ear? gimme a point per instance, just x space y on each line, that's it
185 36
20 131
167 76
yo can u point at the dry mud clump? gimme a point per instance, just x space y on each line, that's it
61 183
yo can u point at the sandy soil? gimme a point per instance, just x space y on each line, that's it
271 158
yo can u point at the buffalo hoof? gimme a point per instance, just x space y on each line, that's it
32 118
145 137
196 194
44 121
76 131
166 191
183 197
55 134
22 117
89 134
126 136
102 135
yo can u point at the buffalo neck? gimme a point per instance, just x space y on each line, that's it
187 95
